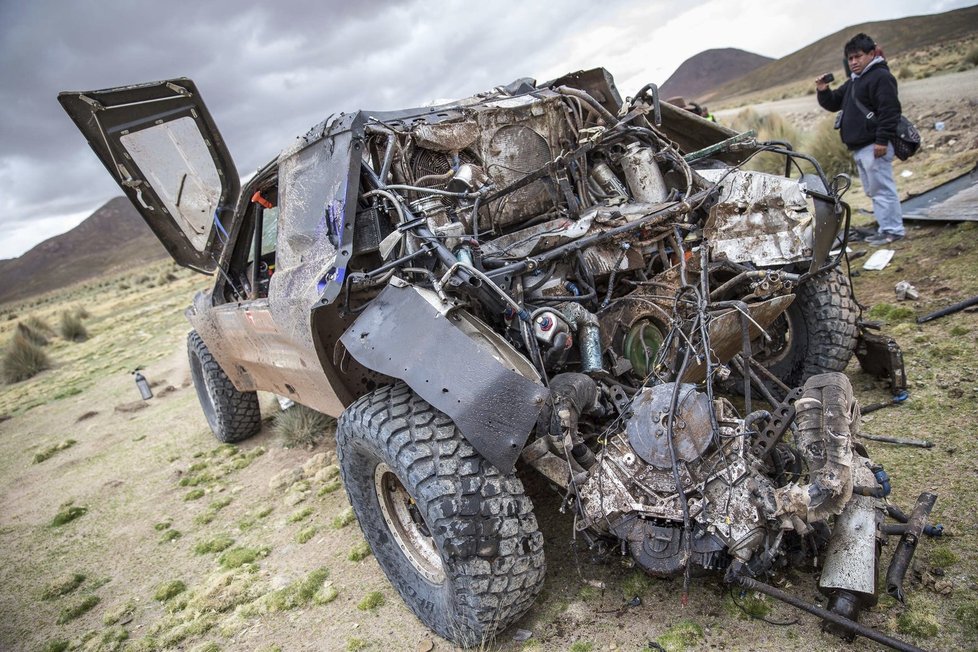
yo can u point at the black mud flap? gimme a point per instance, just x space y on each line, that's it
402 335
879 355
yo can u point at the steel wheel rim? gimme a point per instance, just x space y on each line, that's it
416 544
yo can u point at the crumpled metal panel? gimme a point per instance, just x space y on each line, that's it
401 334
759 218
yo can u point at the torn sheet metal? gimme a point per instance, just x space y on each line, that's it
402 335
760 218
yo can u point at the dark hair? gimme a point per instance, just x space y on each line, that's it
859 43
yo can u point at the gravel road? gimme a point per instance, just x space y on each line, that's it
949 88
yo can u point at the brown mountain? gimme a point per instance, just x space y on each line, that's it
705 71
111 238
895 37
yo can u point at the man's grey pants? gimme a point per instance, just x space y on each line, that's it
877 177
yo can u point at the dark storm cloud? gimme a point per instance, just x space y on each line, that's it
267 73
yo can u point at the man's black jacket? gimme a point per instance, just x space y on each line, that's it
876 88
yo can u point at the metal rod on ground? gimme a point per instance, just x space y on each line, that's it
967 303
851 625
908 544
919 443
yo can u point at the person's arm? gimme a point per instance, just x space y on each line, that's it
828 99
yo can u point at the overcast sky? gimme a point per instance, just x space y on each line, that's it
269 72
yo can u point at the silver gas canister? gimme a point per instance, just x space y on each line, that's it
144 389
642 174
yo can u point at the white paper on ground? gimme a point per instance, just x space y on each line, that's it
880 259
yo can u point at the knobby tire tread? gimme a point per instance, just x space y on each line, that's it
237 415
481 520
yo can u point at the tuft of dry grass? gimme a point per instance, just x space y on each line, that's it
828 149
23 360
71 327
972 57
302 426
769 127
34 336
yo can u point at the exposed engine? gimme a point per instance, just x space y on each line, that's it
635 281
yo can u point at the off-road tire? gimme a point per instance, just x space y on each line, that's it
821 323
233 416
480 521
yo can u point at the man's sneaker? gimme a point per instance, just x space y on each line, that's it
883 239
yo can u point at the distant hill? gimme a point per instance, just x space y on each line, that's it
111 238
706 71
900 36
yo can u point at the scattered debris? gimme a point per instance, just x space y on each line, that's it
958 307
879 260
919 443
904 290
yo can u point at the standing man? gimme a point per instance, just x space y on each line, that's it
868 130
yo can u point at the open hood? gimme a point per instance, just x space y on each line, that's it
161 145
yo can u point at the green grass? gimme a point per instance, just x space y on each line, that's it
683 635
237 557
967 617
943 557
82 606
168 590
918 624
194 494
343 519
300 515
218 543
300 592
170 535
62 586
359 552
305 534
50 451
119 612
329 488
371 601
68 513
638 584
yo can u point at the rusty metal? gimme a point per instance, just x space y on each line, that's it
903 554
754 585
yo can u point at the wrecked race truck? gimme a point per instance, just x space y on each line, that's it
542 275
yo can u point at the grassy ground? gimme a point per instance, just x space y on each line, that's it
144 533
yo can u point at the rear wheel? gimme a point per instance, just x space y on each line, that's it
456 538
233 416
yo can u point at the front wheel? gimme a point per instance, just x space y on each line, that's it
456 538
817 334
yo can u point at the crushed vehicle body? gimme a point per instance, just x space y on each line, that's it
544 276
